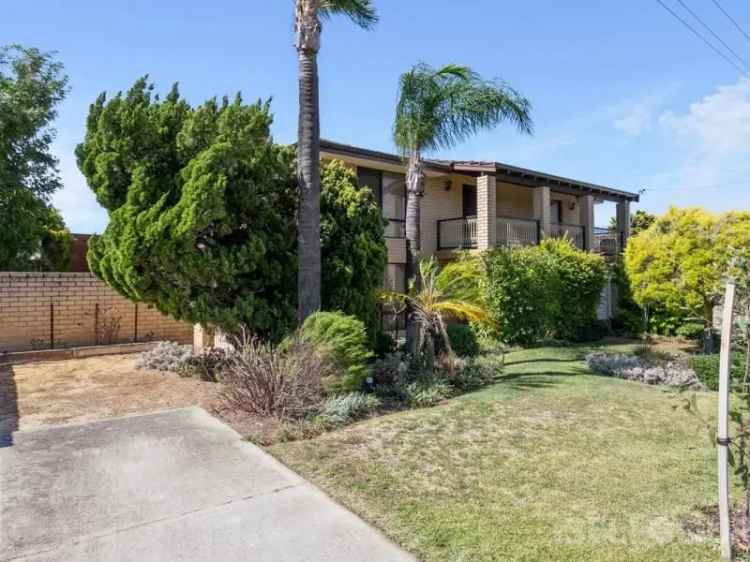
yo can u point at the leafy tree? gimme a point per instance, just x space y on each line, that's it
201 208
308 14
353 247
678 264
439 109
639 221
32 85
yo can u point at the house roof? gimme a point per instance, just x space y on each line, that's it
505 172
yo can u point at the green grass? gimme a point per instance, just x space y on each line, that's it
549 463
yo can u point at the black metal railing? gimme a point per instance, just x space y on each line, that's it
458 233
606 241
517 232
575 232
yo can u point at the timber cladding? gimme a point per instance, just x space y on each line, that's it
60 310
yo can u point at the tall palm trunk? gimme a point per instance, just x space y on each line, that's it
307 26
414 194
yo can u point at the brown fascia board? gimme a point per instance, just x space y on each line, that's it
512 174
366 153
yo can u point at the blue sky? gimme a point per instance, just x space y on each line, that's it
623 94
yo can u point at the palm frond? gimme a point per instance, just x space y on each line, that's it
361 12
462 311
441 108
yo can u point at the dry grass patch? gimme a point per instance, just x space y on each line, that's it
551 463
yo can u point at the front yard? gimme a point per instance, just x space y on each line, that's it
550 463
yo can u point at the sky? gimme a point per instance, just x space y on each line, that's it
623 94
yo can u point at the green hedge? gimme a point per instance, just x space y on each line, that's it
550 290
707 369
463 340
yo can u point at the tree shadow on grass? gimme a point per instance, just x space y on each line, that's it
539 379
8 406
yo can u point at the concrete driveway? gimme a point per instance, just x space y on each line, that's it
177 485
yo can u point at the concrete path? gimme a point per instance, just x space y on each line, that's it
177 485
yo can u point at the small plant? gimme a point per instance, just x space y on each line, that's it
343 340
348 407
206 366
424 394
476 373
165 356
270 381
463 340
107 326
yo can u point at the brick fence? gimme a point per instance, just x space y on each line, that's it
58 310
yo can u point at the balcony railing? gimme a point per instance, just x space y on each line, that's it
459 233
396 228
572 231
517 232
606 241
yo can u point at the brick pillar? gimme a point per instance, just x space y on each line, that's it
542 210
623 222
586 210
486 211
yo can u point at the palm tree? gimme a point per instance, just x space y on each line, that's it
452 291
439 109
307 26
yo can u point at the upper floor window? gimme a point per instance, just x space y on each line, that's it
390 190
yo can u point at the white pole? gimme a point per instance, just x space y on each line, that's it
722 435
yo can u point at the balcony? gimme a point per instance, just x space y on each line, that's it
574 232
457 234
517 232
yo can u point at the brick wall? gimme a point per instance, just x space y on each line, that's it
42 310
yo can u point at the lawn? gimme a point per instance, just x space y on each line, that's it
549 463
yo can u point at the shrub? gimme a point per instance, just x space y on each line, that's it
691 331
424 394
706 367
263 380
548 290
165 356
631 367
475 373
463 340
343 340
348 407
521 293
578 278
206 366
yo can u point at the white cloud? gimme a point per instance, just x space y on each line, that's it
635 118
637 121
709 143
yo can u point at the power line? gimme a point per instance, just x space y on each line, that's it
737 25
702 38
711 31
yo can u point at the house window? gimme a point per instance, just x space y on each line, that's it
394 320
390 190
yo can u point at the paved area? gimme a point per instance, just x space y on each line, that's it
177 485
